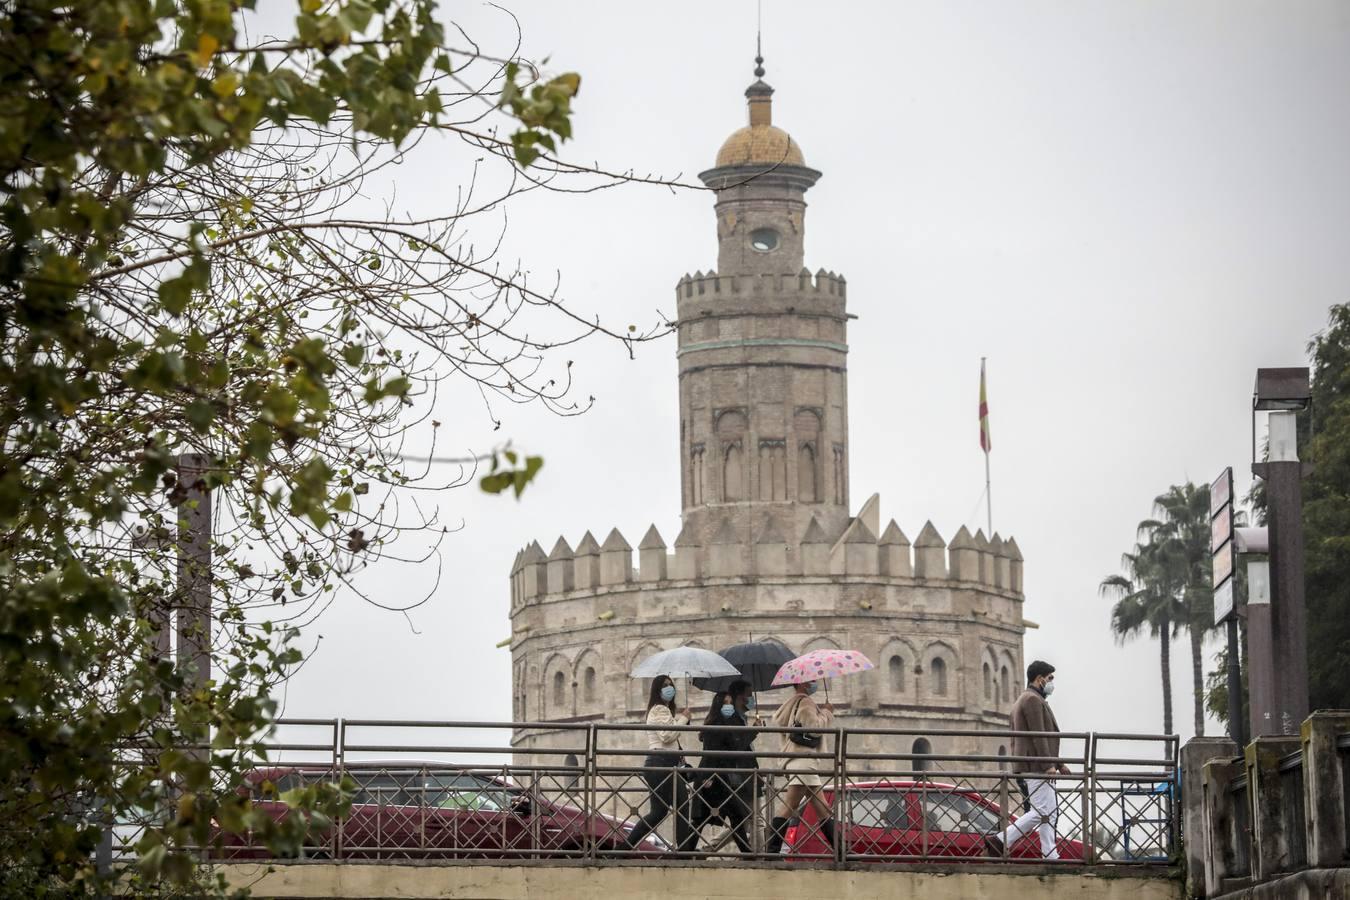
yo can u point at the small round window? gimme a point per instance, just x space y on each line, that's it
764 239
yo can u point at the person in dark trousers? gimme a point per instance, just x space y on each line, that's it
727 796
663 769
1031 714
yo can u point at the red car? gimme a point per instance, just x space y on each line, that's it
885 819
401 811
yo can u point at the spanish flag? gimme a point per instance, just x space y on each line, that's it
985 443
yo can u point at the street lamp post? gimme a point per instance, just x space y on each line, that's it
1277 634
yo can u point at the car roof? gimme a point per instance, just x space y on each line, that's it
886 784
396 765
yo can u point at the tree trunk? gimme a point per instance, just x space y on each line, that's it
1166 654
1198 677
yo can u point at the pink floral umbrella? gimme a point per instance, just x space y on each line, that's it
819 664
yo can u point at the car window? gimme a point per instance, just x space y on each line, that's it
443 790
945 811
469 792
879 809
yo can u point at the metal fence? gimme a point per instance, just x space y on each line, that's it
461 790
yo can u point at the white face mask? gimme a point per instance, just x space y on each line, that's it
1048 688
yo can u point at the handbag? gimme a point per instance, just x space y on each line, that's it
809 739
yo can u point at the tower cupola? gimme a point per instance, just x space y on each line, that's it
760 143
760 178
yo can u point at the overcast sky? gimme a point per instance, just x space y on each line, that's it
1127 207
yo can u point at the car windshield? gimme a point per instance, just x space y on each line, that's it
947 811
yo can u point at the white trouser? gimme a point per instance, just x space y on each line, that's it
1040 818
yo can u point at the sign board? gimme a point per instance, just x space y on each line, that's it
1220 528
1223 602
1223 564
1221 492
1221 543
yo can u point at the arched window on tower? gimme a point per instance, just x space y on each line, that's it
696 468
772 470
920 748
896 669
806 474
731 429
1002 763
840 473
937 671
559 692
806 429
588 685
1005 682
988 682
733 474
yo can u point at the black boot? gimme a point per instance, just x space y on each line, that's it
827 829
777 832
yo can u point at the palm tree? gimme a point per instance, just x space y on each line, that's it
1146 599
1183 529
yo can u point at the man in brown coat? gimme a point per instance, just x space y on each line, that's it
1030 715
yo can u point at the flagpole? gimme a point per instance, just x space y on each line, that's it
985 444
988 497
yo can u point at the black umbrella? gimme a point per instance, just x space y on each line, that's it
757 661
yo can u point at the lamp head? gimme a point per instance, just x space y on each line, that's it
1281 390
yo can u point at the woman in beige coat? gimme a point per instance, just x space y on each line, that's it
804 774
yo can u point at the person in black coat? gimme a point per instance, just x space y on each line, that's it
727 796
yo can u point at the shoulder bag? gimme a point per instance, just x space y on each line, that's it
809 739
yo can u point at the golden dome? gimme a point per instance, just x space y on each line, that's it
760 145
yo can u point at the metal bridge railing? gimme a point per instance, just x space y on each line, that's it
461 790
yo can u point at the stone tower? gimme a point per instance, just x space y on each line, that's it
762 352
769 545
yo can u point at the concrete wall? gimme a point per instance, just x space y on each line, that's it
350 881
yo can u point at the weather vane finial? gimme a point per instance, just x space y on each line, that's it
759 45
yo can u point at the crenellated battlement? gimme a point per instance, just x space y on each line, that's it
823 282
854 555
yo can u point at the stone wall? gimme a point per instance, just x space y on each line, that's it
1273 821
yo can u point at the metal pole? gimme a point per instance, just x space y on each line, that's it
1236 731
988 495
1277 631
1260 672
1288 610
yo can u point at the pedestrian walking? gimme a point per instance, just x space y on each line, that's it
803 773
727 795
1031 714
664 768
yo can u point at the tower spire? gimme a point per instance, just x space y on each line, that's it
759 40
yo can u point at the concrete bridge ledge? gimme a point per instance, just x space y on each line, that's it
687 881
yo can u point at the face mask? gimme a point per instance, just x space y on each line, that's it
749 703
668 693
1048 689
728 710
812 688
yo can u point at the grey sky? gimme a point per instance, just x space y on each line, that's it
1127 207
